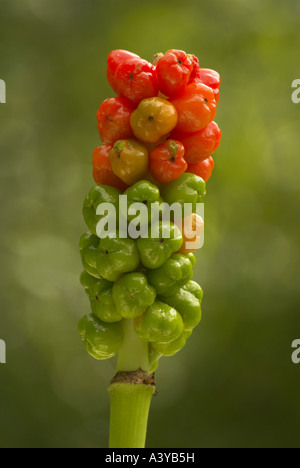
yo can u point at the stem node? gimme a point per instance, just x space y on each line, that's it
130 397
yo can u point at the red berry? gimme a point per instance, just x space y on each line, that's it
196 107
136 79
203 169
103 173
167 161
200 145
217 94
115 58
114 119
208 77
173 72
195 69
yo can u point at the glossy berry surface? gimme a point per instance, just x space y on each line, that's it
208 77
200 145
153 119
103 173
113 119
115 58
196 107
203 169
173 72
136 79
167 161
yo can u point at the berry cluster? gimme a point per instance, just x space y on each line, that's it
161 124
158 136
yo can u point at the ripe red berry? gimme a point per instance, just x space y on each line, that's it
136 79
195 69
200 145
196 107
167 161
103 173
203 169
208 77
115 58
114 119
217 94
173 72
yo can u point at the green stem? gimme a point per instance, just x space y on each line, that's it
134 352
130 404
130 392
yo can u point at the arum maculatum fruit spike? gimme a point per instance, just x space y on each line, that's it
159 136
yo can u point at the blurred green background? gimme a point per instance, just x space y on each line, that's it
234 385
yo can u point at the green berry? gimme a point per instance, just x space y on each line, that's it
164 240
176 271
133 295
88 245
104 308
187 301
93 285
148 194
117 256
153 358
159 323
169 349
99 195
188 188
101 340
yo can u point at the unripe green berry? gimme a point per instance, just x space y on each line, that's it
88 246
92 285
132 295
101 340
166 239
160 323
169 349
117 256
188 188
192 258
88 281
174 273
104 308
153 358
146 193
98 195
187 301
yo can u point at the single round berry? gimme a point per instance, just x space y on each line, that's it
136 79
196 107
103 173
115 58
200 145
203 169
173 72
113 119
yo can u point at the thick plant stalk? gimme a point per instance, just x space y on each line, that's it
130 398
130 391
134 352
